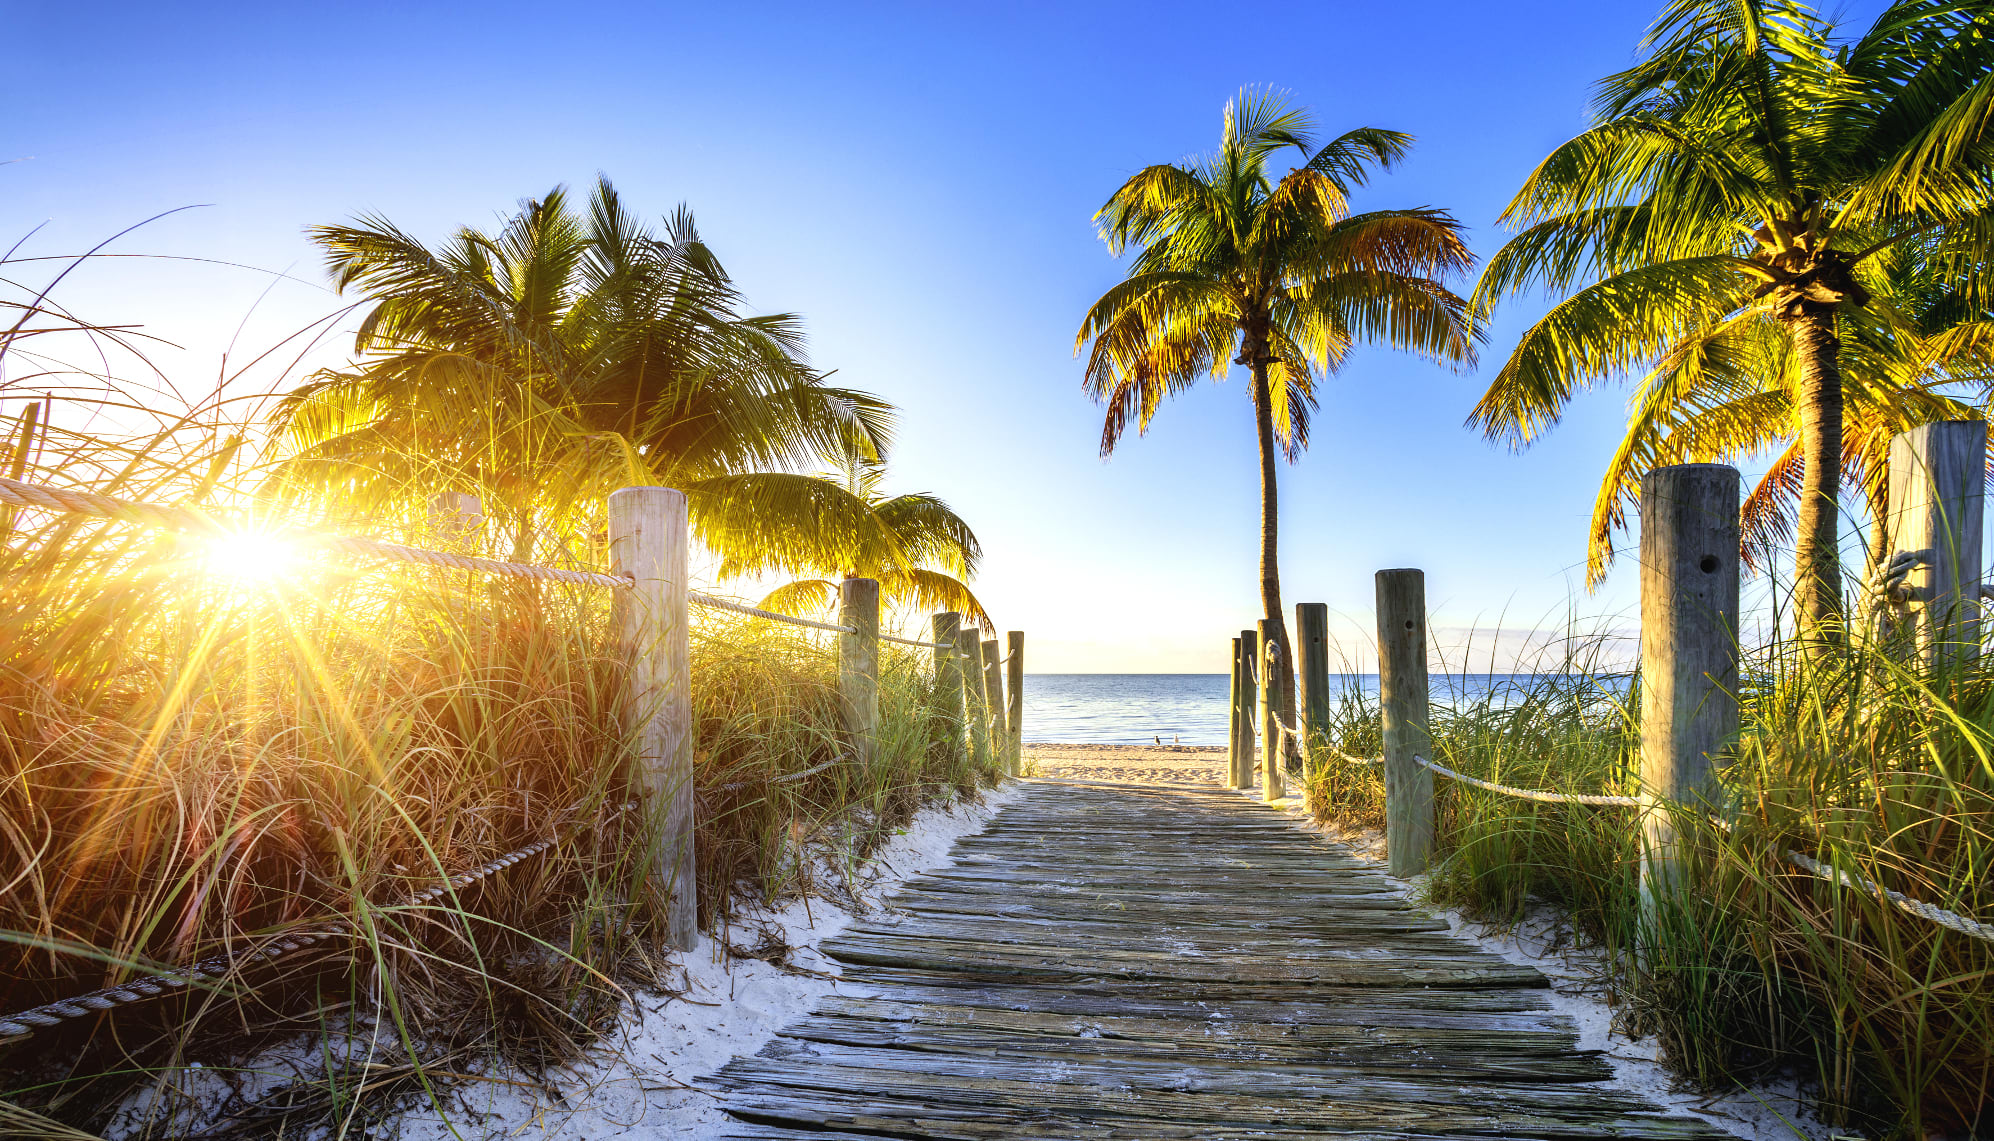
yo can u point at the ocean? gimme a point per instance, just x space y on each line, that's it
1187 709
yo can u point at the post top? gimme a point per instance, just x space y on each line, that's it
1689 471
654 494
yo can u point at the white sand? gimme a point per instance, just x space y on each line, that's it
635 1084
1133 764
639 1084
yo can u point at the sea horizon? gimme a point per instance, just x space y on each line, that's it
1177 708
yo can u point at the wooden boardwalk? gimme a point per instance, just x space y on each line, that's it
1121 962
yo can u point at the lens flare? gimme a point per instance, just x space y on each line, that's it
251 558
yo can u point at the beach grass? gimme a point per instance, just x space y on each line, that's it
202 761
1859 759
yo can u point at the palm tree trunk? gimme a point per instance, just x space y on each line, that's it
1270 535
1817 556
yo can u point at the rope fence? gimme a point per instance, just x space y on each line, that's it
1301 742
1950 920
788 777
709 601
1532 794
20 493
23 1023
922 645
664 543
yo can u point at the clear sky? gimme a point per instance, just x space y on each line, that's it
918 182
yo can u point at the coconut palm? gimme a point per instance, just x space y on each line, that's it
1728 222
543 365
1239 265
1917 369
918 548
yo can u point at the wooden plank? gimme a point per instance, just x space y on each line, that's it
1027 1097
1133 964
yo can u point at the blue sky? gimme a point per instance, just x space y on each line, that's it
917 181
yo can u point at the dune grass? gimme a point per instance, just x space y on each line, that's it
1860 760
198 762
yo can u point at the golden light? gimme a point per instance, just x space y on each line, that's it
251 558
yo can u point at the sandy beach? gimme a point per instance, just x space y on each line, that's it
1134 764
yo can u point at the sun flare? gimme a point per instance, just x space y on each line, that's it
251 558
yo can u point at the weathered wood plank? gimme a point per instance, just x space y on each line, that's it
845 1095
1111 964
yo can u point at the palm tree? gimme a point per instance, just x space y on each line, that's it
918 548
1755 172
565 355
1912 371
1237 266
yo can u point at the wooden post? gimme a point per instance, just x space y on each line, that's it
1402 705
1689 651
1937 481
993 704
1273 775
858 665
1232 722
647 541
974 714
1249 689
948 676
1312 636
1014 692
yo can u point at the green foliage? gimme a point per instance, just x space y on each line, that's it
193 762
564 356
541 367
190 763
916 546
1755 172
1232 261
1235 265
1852 758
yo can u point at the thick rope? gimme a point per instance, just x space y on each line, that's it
1531 794
1952 921
1301 742
699 599
912 642
786 778
1348 759
22 494
23 1023
379 549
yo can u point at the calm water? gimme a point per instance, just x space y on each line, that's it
1137 709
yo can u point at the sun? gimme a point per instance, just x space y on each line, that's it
251 558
